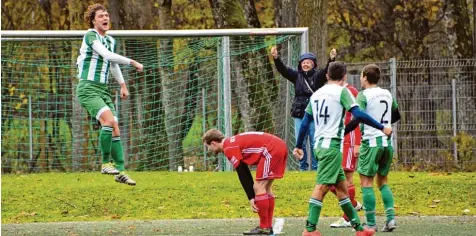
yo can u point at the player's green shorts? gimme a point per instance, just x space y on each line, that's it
373 160
330 169
95 97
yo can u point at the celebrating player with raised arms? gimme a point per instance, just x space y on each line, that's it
268 153
96 59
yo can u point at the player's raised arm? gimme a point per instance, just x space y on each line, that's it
114 57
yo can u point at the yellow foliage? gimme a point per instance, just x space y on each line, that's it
11 90
347 17
465 144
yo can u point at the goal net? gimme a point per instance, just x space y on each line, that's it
189 85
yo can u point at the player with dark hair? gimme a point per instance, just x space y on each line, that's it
327 108
376 152
350 152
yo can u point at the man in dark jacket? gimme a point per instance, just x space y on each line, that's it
306 79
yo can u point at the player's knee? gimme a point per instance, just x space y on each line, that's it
323 188
259 187
109 122
381 180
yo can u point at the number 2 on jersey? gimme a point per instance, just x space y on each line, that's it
382 121
319 112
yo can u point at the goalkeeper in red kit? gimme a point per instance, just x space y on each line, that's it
269 153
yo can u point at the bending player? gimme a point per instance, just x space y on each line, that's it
269 153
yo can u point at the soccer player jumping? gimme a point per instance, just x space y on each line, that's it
95 61
269 153
327 107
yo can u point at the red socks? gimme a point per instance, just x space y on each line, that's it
271 210
351 190
352 195
263 204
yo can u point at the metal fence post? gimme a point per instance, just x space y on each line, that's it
220 95
204 128
453 95
227 92
393 90
30 130
288 105
304 49
305 42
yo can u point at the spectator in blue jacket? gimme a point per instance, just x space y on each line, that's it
306 79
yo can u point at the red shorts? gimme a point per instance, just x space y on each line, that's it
348 158
273 162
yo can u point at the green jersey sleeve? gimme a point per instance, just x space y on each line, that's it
309 108
90 37
347 100
394 104
362 100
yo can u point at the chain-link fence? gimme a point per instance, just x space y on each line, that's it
437 102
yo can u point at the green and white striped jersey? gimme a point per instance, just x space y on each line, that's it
379 104
91 65
328 105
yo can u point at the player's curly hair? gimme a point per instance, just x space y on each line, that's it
372 72
90 14
212 135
